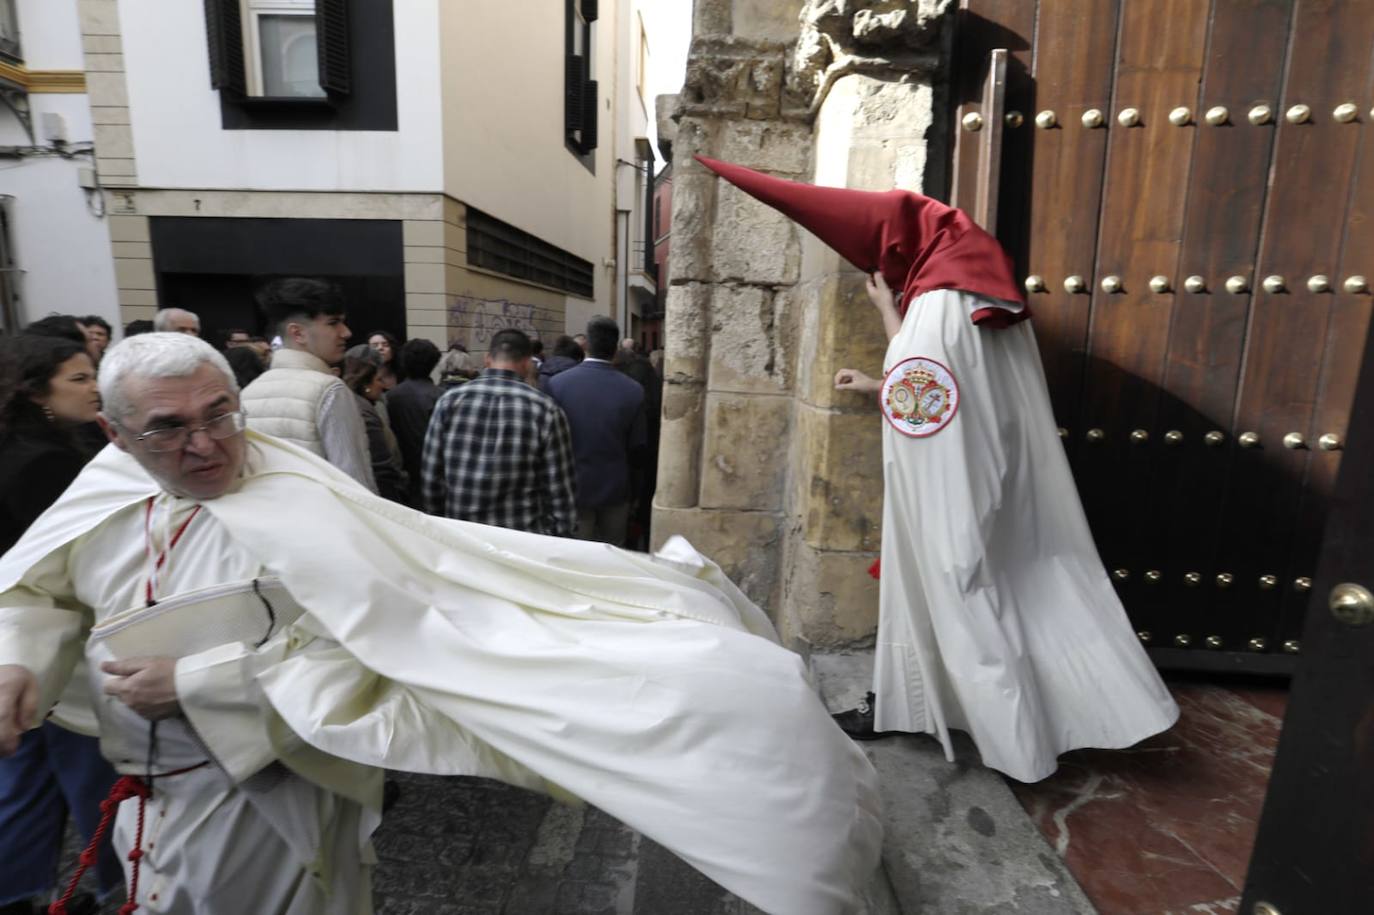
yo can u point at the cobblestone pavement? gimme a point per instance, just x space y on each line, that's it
461 846
466 846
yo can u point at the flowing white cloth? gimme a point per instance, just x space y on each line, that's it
996 616
648 686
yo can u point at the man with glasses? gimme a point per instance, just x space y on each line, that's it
219 821
262 635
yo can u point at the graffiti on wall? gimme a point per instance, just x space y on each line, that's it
473 321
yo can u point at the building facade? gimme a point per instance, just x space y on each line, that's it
450 185
54 237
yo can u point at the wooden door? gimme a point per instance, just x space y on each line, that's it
1315 848
1187 187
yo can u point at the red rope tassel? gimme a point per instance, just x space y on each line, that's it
126 787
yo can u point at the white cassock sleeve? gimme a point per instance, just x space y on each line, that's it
43 626
221 697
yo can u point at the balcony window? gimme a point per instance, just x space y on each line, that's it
303 64
283 50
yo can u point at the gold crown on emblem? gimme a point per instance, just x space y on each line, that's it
922 376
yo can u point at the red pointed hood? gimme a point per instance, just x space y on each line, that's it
918 244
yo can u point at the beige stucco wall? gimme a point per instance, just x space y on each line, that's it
502 85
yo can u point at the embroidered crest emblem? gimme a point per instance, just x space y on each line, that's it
919 396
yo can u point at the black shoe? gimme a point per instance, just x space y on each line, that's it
858 722
391 793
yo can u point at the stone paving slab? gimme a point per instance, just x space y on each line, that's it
463 846
957 841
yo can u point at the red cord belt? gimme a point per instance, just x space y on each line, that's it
125 787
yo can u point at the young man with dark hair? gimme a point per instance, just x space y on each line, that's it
605 412
299 399
236 337
498 451
410 404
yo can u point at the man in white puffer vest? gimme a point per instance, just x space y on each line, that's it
299 399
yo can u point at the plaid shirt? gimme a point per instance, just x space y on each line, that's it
498 452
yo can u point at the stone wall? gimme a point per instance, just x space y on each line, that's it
764 466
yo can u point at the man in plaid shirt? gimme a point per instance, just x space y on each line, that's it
498 451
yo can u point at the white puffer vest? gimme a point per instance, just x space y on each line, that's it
284 401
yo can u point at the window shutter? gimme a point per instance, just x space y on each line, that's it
589 109
572 93
589 11
224 29
332 34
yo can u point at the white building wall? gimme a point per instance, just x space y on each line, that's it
631 141
61 242
179 143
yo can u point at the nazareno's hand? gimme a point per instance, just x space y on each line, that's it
855 380
879 293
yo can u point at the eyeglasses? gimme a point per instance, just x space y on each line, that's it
175 438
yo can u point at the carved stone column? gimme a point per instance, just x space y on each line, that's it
763 465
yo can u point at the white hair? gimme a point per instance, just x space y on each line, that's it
155 355
163 319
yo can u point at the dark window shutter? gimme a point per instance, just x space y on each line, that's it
572 93
224 28
589 11
589 109
331 32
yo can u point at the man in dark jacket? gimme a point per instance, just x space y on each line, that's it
410 404
605 410
566 354
644 474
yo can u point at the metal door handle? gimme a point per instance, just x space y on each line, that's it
1352 604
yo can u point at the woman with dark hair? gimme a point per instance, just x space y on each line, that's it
388 347
47 392
362 373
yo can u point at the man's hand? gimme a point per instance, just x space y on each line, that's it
880 294
146 685
18 705
855 380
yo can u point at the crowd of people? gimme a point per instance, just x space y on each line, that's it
554 444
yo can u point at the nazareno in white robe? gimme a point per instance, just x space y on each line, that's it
996 616
648 686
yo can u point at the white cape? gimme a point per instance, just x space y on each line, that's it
648 686
996 615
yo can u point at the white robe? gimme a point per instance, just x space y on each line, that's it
648 686
996 616
243 834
